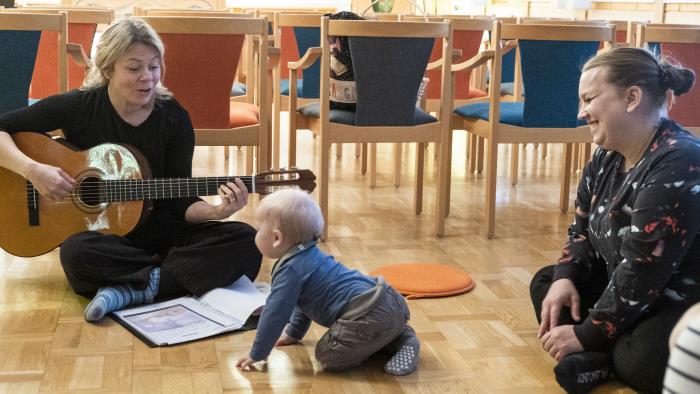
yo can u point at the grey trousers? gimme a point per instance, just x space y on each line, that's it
349 343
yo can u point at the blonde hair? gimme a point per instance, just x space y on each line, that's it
115 42
294 213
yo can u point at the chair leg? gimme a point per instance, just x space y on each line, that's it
480 155
324 168
543 151
358 149
249 159
514 157
364 158
373 165
292 143
397 164
448 181
565 178
575 157
586 155
418 189
276 134
338 151
472 152
443 178
491 168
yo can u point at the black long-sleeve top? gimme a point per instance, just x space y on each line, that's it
642 224
87 118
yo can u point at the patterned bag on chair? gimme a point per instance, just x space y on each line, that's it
343 93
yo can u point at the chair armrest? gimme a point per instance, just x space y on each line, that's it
509 46
307 60
76 52
480 58
273 56
456 54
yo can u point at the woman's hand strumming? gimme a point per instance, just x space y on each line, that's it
52 182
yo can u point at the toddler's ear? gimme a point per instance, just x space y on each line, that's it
277 238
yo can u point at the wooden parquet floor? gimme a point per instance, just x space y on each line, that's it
480 342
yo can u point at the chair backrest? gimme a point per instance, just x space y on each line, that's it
551 60
201 58
680 43
296 33
467 36
20 34
389 61
82 25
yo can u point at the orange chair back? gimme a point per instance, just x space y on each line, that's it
469 42
44 79
205 94
685 108
288 51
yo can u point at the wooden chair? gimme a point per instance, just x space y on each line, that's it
682 44
20 34
82 25
551 57
299 39
397 54
202 56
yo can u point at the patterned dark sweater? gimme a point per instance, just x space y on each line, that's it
642 225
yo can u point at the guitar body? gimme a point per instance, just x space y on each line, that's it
53 222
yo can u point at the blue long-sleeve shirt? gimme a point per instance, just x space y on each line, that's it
308 286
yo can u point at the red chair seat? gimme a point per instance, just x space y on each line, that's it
243 114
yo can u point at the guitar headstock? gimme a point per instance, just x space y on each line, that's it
268 181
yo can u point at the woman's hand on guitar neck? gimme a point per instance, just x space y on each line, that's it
52 182
234 196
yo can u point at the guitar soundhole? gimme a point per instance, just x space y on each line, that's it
89 192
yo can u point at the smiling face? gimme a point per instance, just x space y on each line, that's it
134 78
605 108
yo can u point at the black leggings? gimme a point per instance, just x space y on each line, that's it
641 353
202 257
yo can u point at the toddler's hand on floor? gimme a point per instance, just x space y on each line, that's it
286 340
244 363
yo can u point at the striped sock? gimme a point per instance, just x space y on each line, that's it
114 298
405 360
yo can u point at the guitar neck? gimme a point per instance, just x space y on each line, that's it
162 188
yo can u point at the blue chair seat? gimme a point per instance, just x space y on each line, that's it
284 87
348 117
31 101
510 113
238 89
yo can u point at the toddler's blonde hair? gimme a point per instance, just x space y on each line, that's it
294 213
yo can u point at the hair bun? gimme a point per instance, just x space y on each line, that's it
680 79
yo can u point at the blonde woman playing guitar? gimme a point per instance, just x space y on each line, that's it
181 246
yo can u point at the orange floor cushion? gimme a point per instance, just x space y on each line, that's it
243 114
423 280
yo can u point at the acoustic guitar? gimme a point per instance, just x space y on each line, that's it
113 193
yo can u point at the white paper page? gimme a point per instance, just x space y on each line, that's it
177 321
237 300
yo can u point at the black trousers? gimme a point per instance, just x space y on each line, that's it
641 353
193 260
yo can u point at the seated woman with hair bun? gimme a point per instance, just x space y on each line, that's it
631 265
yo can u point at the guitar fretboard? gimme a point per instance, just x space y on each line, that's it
155 189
